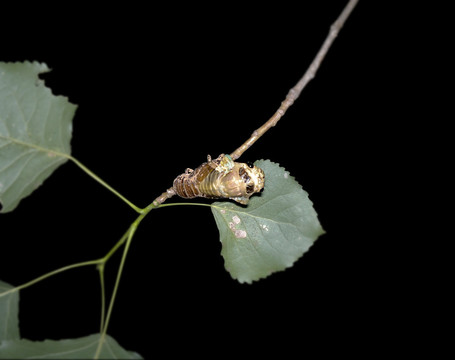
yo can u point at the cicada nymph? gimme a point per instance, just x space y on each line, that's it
220 178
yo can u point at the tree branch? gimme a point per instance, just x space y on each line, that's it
292 95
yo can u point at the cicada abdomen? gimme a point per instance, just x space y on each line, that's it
221 178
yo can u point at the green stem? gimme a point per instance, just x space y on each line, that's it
129 236
102 182
126 238
101 267
178 204
103 295
119 274
52 273
116 246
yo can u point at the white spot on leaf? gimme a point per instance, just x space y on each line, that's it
223 211
240 234
236 219
265 227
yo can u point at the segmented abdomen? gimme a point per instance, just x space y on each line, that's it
202 182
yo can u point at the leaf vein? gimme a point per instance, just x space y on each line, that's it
38 173
19 107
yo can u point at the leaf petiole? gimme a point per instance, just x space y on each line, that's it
102 182
182 203
52 273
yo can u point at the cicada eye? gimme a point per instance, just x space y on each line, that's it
250 164
244 175
250 188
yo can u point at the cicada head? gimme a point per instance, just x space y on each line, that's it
243 181
253 177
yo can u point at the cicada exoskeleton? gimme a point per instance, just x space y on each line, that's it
221 178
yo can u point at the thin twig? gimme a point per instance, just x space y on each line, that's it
164 196
292 95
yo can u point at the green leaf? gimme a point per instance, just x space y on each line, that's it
35 131
12 347
272 232
9 313
80 348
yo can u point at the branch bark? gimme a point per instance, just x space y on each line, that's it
294 93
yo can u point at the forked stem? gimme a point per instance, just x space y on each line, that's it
105 323
128 237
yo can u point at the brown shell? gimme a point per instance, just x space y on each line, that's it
186 185
212 180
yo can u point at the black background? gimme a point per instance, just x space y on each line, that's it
158 90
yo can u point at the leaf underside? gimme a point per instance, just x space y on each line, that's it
35 131
13 347
272 232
